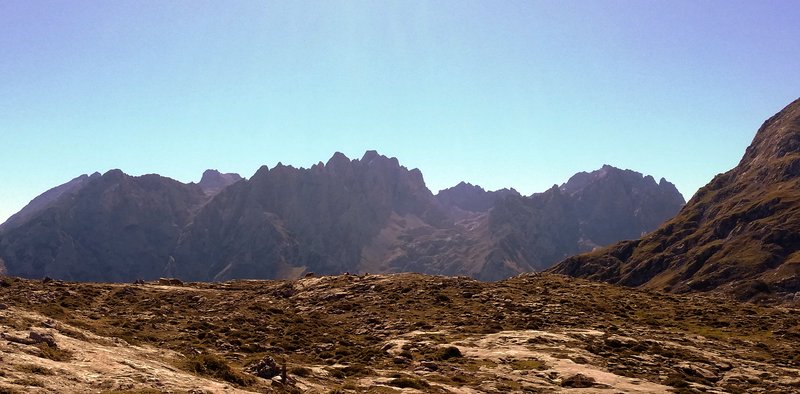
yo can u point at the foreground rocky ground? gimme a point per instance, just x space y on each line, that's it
396 333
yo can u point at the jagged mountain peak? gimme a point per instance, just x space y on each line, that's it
337 160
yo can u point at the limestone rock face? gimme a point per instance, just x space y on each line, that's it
740 233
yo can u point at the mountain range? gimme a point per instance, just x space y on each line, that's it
364 215
739 234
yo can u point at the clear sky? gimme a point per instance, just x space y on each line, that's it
497 93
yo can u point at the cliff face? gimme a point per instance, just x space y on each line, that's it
740 233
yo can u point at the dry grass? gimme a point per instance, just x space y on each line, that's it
342 324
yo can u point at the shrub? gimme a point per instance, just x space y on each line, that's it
449 352
356 370
33 368
54 353
578 381
676 381
217 367
28 382
300 371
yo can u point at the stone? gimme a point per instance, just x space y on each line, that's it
170 282
578 381
266 368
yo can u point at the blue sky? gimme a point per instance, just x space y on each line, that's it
501 94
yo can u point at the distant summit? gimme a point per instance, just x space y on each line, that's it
588 211
606 198
345 215
213 181
473 198
740 233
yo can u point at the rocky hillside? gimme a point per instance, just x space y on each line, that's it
364 215
400 333
739 234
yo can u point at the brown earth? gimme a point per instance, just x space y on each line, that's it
390 333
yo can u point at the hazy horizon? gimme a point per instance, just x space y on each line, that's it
518 94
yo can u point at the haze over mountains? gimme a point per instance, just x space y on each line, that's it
739 234
365 215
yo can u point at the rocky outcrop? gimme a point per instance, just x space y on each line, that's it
213 181
739 234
